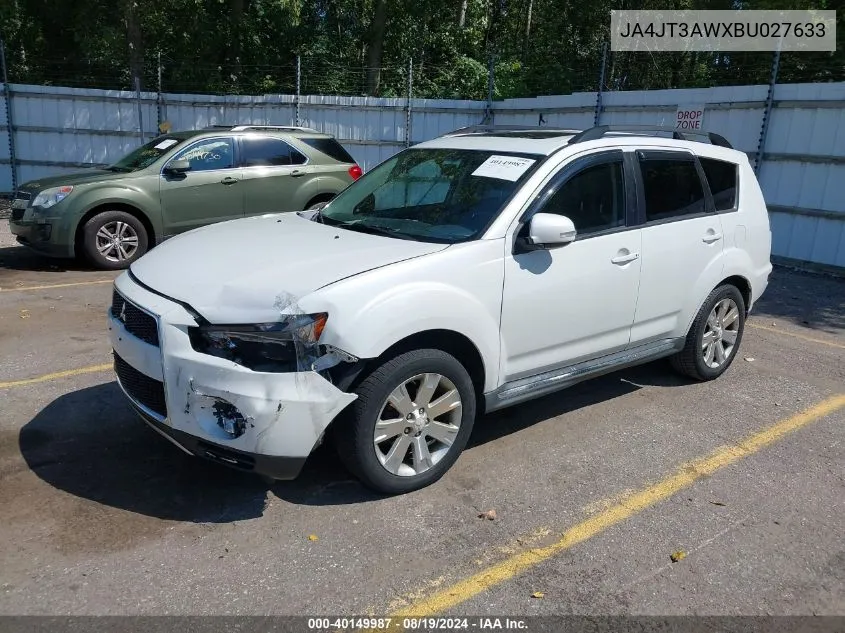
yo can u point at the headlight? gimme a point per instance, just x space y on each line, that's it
51 196
288 345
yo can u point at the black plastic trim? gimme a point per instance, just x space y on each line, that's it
272 466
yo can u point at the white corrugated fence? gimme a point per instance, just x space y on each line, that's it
802 172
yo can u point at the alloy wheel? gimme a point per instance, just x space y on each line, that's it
418 424
720 333
117 241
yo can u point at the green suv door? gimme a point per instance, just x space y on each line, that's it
211 190
277 177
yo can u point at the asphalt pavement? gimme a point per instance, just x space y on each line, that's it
593 488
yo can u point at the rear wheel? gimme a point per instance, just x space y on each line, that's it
114 239
319 202
413 417
714 337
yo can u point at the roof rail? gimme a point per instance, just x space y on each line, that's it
599 131
286 128
241 128
481 129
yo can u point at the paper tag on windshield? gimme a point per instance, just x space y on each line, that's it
170 142
504 167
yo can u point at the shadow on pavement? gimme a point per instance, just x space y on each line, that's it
89 443
22 258
806 299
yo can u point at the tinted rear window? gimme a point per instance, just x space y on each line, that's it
269 152
721 177
672 188
330 147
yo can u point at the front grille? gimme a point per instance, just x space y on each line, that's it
148 391
17 214
136 321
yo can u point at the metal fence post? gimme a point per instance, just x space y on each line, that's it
767 113
601 84
408 103
140 109
159 96
10 126
298 90
491 85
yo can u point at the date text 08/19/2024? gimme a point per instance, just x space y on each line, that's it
415 624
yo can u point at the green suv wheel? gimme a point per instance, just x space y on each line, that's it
114 239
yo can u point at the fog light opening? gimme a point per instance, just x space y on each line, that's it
229 418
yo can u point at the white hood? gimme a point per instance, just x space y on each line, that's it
233 272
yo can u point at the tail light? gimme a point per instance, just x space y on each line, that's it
355 172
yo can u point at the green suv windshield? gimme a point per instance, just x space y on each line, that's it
432 195
147 154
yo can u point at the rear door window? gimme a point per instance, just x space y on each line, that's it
269 152
671 186
721 178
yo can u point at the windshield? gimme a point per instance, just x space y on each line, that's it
434 195
147 154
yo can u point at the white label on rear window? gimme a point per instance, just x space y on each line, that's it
167 143
504 167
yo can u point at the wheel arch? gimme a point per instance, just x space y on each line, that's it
113 206
320 197
743 285
740 282
449 341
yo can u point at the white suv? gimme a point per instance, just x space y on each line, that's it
465 274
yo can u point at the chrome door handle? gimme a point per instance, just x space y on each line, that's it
711 237
625 259
296 173
228 180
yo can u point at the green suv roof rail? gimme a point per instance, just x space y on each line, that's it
274 128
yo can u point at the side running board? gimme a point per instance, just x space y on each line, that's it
548 382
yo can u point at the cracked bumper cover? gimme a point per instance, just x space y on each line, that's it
280 417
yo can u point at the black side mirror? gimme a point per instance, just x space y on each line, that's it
177 167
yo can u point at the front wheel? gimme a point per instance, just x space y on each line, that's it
714 337
114 239
413 417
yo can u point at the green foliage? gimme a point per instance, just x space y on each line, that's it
251 46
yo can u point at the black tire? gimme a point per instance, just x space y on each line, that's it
319 202
354 434
690 360
93 226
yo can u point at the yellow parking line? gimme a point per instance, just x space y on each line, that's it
633 504
796 335
67 285
54 376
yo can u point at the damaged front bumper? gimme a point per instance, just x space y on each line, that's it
267 423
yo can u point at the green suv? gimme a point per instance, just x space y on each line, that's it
175 183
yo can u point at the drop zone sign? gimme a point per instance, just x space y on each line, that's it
690 118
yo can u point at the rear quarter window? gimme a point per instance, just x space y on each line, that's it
330 147
721 178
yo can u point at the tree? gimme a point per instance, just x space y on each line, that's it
135 40
375 45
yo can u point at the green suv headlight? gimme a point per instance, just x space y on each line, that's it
52 196
288 345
